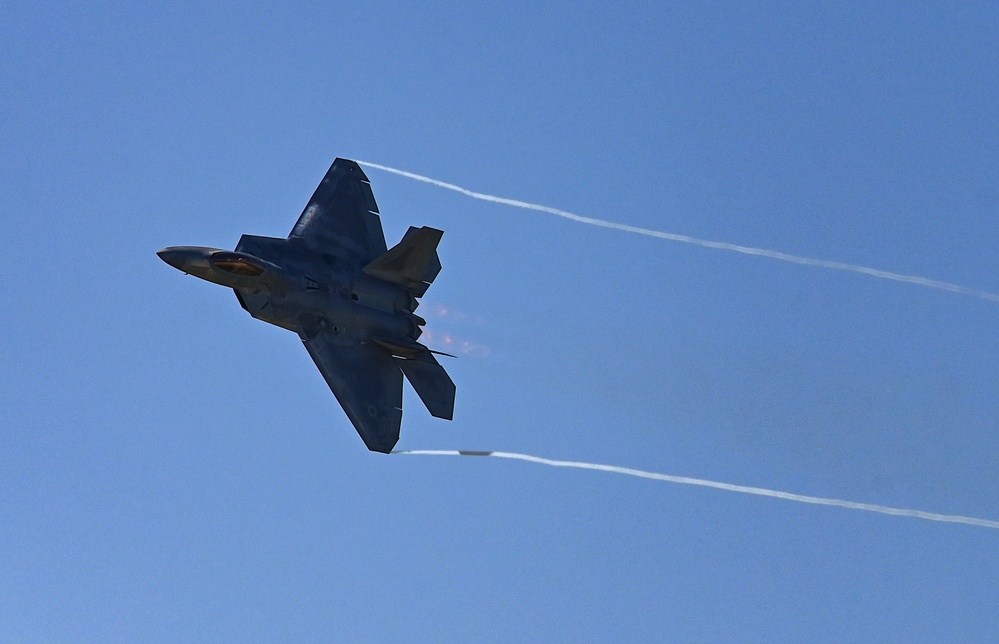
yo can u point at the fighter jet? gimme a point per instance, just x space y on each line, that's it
349 298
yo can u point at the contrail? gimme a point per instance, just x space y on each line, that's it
746 250
744 489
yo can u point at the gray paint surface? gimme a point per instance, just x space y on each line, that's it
350 299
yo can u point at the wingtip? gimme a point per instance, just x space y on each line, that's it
352 167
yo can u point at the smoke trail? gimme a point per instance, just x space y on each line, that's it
729 487
746 250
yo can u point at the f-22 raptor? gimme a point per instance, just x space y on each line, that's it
349 298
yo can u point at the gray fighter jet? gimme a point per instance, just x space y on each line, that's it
349 298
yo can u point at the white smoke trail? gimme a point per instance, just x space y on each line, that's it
729 487
746 250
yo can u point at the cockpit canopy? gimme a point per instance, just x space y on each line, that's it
236 263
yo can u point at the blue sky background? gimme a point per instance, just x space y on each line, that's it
172 470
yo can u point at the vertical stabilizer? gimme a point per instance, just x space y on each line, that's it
412 263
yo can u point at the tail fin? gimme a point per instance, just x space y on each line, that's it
412 263
431 382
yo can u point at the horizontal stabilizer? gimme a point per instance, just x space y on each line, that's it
412 263
431 382
402 348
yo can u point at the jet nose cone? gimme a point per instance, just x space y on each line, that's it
185 258
174 256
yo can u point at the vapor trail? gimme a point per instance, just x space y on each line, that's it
744 489
746 250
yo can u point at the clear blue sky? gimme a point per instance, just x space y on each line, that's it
172 470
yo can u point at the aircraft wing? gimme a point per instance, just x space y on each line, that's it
366 382
343 214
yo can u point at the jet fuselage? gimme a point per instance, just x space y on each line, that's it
321 298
